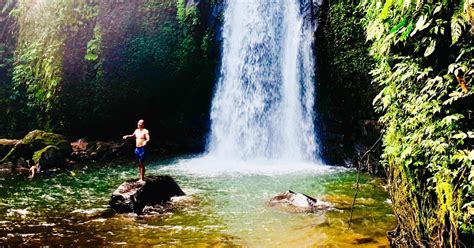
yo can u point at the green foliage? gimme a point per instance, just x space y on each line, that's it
75 64
186 14
37 74
424 54
37 155
95 102
94 45
344 60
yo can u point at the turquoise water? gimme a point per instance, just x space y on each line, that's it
70 207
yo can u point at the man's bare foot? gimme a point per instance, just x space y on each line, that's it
141 180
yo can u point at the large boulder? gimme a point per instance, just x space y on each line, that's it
37 140
297 202
49 157
133 195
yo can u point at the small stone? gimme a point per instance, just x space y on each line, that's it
364 240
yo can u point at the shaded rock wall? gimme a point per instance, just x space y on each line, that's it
348 126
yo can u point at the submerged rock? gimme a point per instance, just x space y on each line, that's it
297 202
133 195
364 240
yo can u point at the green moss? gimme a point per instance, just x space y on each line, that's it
38 154
38 139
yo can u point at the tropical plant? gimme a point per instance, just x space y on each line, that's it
424 58
37 74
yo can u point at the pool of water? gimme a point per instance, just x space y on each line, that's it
70 207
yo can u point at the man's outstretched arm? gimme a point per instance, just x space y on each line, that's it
129 136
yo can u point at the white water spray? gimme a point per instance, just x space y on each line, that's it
262 119
263 104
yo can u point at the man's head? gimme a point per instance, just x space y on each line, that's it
141 124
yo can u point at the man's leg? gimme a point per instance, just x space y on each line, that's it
137 153
32 171
141 169
142 165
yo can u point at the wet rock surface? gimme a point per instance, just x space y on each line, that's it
100 150
345 142
134 195
297 202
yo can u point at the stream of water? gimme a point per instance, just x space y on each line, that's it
220 209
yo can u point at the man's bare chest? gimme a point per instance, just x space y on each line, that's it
140 134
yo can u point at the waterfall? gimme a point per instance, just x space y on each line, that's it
264 98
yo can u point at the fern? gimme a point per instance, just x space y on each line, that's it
458 24
425 137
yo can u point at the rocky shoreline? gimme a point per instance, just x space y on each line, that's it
55 151
50 151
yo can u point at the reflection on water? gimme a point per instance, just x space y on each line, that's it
71 208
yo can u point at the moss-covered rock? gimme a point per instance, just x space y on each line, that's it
35 141
49 157
38 139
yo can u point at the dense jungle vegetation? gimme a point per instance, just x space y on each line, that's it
424 57
92 68
420 57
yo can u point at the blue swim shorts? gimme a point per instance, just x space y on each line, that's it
140 152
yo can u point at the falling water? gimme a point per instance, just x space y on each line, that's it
263 103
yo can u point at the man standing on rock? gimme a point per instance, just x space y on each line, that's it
142 136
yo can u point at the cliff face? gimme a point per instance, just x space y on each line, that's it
348 123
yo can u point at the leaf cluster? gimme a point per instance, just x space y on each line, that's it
424 57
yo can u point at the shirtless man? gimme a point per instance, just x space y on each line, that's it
141 136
